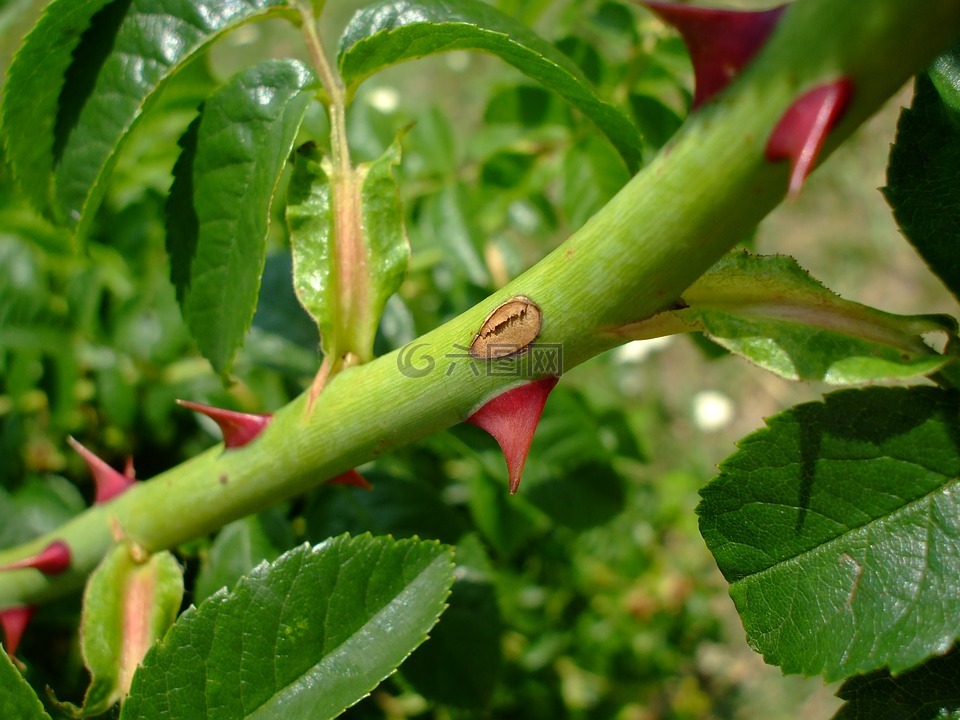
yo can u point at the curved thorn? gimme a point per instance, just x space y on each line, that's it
801 131
238 428
512 418
720 42
108 482
52 560
351 478
14 621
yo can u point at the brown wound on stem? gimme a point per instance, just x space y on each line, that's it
508 330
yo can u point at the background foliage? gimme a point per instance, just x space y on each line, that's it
590 594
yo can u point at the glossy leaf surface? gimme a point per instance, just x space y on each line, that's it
836 528
306 636
79 124
244 138
391 32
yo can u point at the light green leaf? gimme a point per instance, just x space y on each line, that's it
242 143
346 267
837 528
388 33
770 311
17 698
127 606
304 637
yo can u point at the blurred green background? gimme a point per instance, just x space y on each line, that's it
588 595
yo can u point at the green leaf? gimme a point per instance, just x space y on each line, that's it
922 179
769 310
307 636
40 505
155 39
929 692
836 528
239 547
388 33
32 93
945 74
17 698
346 269
127 606
440 669
242 143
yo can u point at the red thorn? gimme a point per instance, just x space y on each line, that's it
512 418
52 560
720 42
800 133
109 483
238 428
353 479
14 621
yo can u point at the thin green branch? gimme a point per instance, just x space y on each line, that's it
668 225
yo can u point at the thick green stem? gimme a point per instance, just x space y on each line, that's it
668 225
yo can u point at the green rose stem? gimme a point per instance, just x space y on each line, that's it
669 224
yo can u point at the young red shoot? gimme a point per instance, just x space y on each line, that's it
238 428
512 418
720 42
109 482
800 133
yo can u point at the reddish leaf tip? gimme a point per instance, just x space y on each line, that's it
238 428
511 418
14 621
52 560
720 42
109 482
801 131
353 479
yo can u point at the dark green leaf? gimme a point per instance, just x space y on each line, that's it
440 669
929 692
31 100
241 546
39 506
770 311
836 527
17 699
155 39
395 506
391 32
305 637
922 181
245 135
